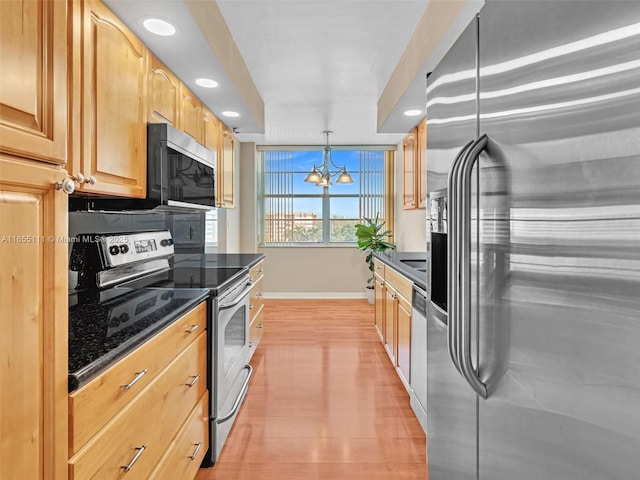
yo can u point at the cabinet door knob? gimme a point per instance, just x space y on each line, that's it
80 178
67 186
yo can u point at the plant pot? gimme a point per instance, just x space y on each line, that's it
369 293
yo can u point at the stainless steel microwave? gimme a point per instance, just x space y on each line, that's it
180 175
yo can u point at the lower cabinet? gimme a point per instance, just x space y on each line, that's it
161 424
380 290
393 318
256 305
186 452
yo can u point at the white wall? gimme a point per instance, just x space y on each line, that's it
411 225
314 272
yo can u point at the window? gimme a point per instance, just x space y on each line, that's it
294 212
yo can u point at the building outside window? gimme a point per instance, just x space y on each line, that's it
296 213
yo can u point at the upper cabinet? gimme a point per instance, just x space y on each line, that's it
414 167
225 194
191 115
110 88
409 170
211 131
33 55
163 94
421 164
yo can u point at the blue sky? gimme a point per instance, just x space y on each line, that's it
303 162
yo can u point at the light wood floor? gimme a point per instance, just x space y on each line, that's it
324 402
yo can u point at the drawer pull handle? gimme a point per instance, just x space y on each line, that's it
193 328
193 382
259 294
261 270
250 307
261 325
195 452
140 451
135 380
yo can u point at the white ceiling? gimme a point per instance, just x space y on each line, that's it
317 64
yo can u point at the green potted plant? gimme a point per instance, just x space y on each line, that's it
372 238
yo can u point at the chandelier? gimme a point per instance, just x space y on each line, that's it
322 175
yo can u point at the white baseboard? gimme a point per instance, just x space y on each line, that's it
314 295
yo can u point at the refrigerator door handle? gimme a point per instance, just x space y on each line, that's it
452 297
464 265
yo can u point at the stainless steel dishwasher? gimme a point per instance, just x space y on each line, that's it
418 380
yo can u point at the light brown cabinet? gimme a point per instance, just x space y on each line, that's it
393 317
109 102
379 297
33 321
403 355
256 305
130 433
163 91
33 79
421 164
409 154
191 115
414 167
211 131
225 188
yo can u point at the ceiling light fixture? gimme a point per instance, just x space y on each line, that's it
159 27
206 83
412 113
229 113
321 176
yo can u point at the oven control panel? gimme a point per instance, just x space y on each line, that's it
124 248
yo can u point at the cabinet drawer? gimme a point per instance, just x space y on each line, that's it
257 271
255 300
188 448
378 268
151 419
402 285
256 329
93 405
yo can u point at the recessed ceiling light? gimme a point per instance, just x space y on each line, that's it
229 113
412 113
159 27
207 83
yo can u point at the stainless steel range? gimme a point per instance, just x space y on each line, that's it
143 260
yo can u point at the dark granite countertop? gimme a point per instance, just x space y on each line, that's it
401 262
221 260
106 326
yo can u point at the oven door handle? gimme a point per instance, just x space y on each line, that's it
241 395
239 298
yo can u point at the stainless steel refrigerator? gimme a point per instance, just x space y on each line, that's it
534 136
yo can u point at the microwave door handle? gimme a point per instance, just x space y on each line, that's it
452 287
466 176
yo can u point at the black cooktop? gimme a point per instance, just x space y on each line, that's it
215 279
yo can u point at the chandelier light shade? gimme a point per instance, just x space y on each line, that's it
322 175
